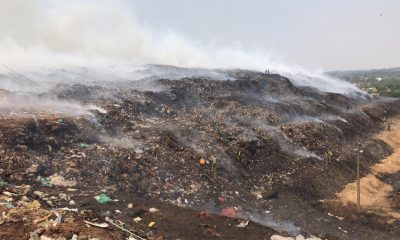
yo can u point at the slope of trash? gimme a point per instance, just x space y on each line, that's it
256 149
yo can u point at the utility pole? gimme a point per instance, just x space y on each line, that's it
358 177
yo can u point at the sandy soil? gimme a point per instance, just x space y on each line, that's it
374 192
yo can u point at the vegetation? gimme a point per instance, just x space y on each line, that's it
385 82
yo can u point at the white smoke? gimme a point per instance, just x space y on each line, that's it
17 104
98 33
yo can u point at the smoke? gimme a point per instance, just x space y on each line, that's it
284 142
19 104
47 34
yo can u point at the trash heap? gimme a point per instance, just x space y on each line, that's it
225 147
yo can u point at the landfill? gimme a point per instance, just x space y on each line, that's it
251 157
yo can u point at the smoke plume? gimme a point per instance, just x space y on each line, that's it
47 34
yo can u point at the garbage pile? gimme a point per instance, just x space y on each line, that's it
232 148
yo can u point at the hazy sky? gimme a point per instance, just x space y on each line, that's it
339 34
282 35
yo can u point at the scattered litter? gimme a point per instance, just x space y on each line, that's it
59 216
45 218
43 237
243 224
58 180
229 212
45 181
202 161
63 196
153 210
130 205
121 226
138 150
69 209
300 237
100 225
277 237
7 205
313 238
102 199
151 224
137 219
83 145
8 193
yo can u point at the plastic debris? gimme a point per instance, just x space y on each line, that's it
69 209
43 219
243 224
229 212
137 219
83 145
122 227
45 181
8 193
102 199
59 216
202 161
151 224
130 205
100 225
277 237
153 210
138 150
43 237
7 205
300 237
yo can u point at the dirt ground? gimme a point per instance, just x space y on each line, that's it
375 192
171 222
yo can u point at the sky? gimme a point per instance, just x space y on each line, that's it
288 36
333 35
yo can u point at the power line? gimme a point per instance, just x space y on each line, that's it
19 76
